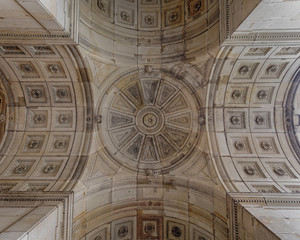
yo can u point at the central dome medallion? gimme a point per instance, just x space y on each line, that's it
149 122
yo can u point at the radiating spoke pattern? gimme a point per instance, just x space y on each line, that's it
149 122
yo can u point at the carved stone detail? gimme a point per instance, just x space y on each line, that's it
266 146
101 5
173 16
123 231
60 144
148 68
244 70
262 94
11 50
36 93
235 120
49 169
62 93
39 118
125 16
54 68
239 145
279 171
149 228
194 7
149 19
34 144
27 68
20 169
176 232
260 120
249 170
236 94
42 50
150 122
272 69
63 118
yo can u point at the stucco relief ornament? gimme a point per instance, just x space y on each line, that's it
27 68
265 145
244 70
260 120
236 94
272 69
98 119
5 188
36 93
60 144
249 170
63 118
149 228
194 6
42 48
34 144
262 94
20 169
148 68
62 93
152 122
39 118
123 231
125 16
149 19
54 68
173 16
279 171
2 118
49 169
239 145
100 5
235 120
202 120
176 232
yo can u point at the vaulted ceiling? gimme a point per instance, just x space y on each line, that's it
144 111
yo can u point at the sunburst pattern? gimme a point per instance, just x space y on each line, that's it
150 122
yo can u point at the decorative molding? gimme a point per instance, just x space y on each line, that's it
274 200
289 114
29 199
228 37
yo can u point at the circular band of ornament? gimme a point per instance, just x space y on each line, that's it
148 123
6 101
292 116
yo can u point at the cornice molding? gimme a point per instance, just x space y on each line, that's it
34 199
274 200
229 37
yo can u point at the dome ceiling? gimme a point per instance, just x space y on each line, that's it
149 15
149 122
155 31
256 117
293 113
42 142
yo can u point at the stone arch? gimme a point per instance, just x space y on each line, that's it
248 134
48 120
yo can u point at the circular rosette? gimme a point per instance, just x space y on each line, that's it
149 123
